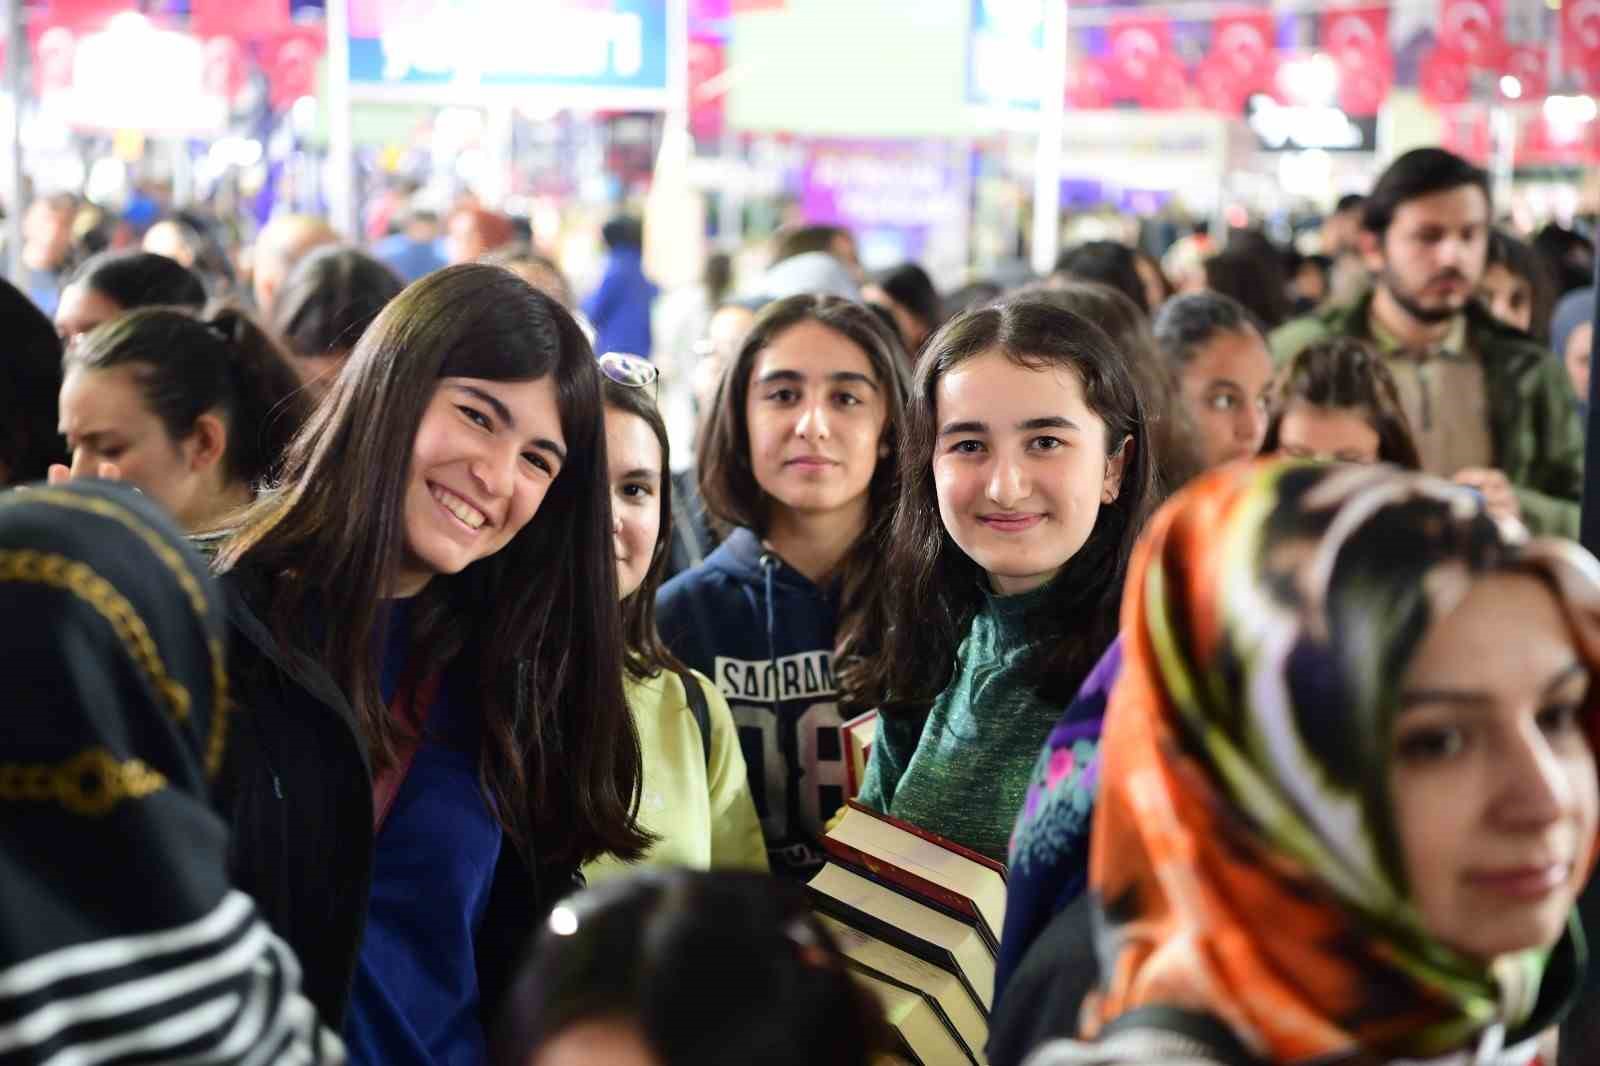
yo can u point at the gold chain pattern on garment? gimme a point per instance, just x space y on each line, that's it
29 567
216 743
91 783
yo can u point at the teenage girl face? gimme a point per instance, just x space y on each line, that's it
633 455
1492 775
1328 434
105 419
816 415
1225 389
1507 296
485 455
1020 467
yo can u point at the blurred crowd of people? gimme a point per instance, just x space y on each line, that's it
464 680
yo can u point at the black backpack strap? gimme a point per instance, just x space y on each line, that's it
1200 1034
699 708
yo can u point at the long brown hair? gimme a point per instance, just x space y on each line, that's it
560 761
645 655
733 498
1173 442
1346 373
937 587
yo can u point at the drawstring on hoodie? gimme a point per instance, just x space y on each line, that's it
769 566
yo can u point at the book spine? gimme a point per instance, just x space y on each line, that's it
906 883
932 838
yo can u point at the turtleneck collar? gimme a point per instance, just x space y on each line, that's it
1010 614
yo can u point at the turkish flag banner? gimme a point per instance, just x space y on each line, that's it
1526 63
1140 48
1089 85
1444 78
1580 37
1220 86
86 14
1474 30
1244 41
290 63
1358 40
238 18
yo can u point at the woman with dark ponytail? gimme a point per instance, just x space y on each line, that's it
195 410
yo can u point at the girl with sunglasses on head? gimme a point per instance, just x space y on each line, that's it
696 793
432 734
1027 472
797 463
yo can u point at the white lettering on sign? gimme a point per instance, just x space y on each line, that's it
529 39
1302 127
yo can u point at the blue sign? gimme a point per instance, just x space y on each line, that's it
593 44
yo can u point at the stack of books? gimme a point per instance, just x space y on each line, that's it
918 918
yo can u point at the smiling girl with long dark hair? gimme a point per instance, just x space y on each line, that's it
433 734
1027 473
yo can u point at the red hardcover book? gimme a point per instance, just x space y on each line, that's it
922 865
858 734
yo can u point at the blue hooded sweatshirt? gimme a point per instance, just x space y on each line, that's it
764 633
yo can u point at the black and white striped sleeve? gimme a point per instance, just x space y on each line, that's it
222 989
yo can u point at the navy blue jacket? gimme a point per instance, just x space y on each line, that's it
764 633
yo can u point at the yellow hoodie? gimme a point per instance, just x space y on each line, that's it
703 815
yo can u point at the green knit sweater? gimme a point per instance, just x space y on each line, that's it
962 772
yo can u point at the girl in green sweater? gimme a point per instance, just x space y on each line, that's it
1027 474
695 798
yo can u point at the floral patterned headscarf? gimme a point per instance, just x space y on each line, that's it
1245 861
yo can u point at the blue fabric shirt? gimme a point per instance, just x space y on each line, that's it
415 996
620 308
408 258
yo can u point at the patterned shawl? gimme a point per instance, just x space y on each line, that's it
1244 860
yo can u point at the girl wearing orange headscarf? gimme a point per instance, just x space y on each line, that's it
1348 794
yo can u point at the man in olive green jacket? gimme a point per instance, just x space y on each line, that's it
1488 406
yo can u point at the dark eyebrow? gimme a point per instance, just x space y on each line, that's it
850 377
1046 422
840 377
552 447
1416 697
640 472
503 413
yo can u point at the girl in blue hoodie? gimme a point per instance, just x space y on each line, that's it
798 463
